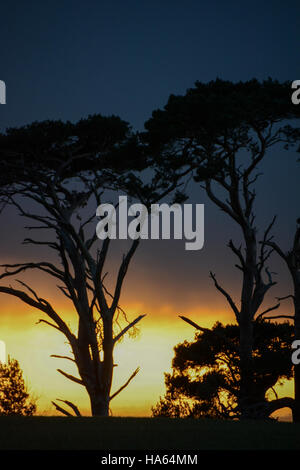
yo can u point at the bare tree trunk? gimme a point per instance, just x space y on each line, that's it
99 404
252 262
97 375
292 260
246 368
246 324
296 409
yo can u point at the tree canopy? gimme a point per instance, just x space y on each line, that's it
56 175
223 131
206 372
94 143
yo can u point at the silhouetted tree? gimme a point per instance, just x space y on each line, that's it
292 261
224 131
14 396
206 376
63 169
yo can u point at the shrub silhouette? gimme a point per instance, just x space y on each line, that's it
14 396
206 373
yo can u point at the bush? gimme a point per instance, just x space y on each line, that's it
14 396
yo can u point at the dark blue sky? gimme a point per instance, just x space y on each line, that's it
67 59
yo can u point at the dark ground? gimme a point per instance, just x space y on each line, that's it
41 433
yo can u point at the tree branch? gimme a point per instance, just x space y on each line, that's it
62 357
116 338
291 317
61 410
126 384
268 310
70 377
190 322
121 275
71 405
43 306
226 295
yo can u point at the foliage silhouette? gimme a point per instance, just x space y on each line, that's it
53 173
292 262
14 396
223 131
206 373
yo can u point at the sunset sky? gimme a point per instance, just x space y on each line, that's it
66 60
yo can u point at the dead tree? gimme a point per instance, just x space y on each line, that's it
224 130
61 170
81 279
292 261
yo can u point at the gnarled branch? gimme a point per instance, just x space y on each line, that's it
227 296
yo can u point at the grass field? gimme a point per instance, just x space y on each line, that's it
41 433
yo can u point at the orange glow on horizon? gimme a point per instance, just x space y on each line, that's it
152 350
